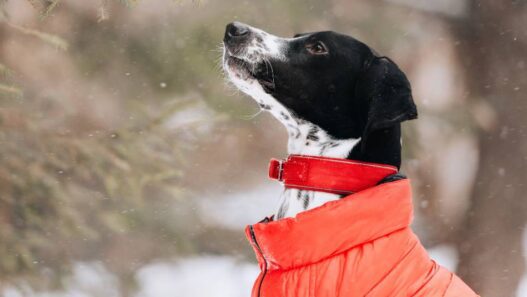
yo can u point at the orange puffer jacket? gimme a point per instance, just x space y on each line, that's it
360 245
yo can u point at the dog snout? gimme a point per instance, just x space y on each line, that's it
236 30
236 35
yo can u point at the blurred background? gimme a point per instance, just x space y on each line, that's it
129 168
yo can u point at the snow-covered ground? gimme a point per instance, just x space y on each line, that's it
199 277
203 276
207 276
239 209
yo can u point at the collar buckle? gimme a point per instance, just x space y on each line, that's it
276 168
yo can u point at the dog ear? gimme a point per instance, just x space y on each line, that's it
387 93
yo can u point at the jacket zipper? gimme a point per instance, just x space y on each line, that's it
253 237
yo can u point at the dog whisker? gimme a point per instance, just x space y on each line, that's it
267 62
250 117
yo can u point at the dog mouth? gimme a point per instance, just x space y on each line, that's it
245 70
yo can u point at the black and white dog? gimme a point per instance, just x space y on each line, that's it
335 95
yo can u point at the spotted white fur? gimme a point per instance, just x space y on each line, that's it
305 138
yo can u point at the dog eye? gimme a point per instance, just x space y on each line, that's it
317 48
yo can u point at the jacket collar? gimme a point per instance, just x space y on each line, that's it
332 228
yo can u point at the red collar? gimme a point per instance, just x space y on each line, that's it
331 175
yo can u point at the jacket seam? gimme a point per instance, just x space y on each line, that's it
393 267
449 284
340 253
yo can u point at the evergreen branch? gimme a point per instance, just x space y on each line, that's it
4 70
129 3
10 89
3 12
54 40
50 6
34 4
103 12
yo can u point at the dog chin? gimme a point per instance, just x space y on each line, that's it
245 82
238 69
242 75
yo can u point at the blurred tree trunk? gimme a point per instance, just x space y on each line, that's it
493 52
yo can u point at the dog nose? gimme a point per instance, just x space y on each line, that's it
236 31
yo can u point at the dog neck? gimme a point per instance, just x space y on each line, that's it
306 138
302 141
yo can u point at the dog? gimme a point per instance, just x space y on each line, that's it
342 105
334 94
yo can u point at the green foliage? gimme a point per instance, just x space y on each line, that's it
51 39
129 3
75 188
12 90
59 189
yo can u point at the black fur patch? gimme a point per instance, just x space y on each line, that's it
306 200
282 210
312 134
265 106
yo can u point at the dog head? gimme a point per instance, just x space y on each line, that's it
333 81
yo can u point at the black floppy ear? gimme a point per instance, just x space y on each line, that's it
387 93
